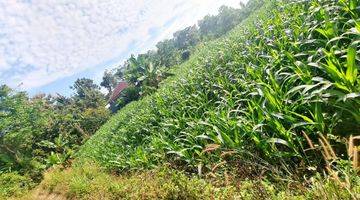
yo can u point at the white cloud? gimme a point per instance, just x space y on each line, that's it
42 41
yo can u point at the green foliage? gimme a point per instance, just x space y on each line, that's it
147 70
87 94
167 53
128 95
109 81
253 93
327 188
13 184
215 26
289 70
186 38
39 132
89 181
22 124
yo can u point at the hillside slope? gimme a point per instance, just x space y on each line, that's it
274 98
285 71
139 127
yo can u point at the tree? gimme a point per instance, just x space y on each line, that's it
108 81
84 87
150 75
167 53
22 125
87 94
132 67
44 130
186 38
215 26
119 73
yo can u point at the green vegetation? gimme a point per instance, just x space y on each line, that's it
268 111
256 93
13 184
145 71
39 132
275 94
89 181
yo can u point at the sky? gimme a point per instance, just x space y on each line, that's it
45 45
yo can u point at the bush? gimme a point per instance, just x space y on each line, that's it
128 95
13 185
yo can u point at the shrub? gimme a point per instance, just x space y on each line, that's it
13 185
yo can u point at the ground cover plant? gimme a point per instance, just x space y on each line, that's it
90 181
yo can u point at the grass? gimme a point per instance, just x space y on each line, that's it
93 182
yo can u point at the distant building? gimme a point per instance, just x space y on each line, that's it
115 95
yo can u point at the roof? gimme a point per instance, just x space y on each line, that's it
117 91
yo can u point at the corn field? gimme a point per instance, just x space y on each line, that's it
277 93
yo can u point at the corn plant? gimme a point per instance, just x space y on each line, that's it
290 68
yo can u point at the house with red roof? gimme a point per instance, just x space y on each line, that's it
116 94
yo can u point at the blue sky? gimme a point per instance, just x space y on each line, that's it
45 45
